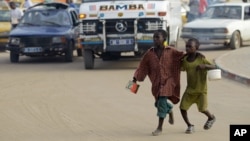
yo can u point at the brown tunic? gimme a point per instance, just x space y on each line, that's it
164 73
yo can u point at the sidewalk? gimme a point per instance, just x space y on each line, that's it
235 65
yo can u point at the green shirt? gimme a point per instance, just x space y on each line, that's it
196 79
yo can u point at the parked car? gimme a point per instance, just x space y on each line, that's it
46 29
5 24
225 23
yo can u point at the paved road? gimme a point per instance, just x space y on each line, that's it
49 100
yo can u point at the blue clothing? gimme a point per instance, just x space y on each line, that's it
193 13
72 5
163 107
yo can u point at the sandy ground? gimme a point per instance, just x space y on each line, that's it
45 100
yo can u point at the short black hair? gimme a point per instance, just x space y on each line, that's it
196 41
164 33
12 3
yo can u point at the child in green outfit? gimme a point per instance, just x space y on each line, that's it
196 66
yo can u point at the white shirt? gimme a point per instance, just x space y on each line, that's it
16 15
27 4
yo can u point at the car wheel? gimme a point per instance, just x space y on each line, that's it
14 57
89 59
69 53
79 52
235 41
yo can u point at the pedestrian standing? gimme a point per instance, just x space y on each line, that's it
16 14
202 6
27 4
193 10
197 8
196 66
161 64
70 3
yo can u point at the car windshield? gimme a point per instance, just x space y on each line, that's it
4 16
46 18
223 12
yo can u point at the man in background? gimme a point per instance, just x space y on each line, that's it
202 6
70 3
197 8
27 4
16 14
194 10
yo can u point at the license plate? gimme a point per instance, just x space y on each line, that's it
121 41
33 50
203 38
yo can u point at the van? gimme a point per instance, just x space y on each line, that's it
110 29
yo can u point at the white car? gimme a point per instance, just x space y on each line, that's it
225 23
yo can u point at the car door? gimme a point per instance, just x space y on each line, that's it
246 23
75 26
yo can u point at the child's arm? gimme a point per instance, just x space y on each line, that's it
206 66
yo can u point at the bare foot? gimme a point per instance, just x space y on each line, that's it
171 117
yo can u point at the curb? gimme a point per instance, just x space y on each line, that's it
230 74
235 77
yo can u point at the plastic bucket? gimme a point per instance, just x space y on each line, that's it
214 74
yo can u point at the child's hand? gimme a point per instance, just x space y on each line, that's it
201 67
134 80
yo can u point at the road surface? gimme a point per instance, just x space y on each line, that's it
50 100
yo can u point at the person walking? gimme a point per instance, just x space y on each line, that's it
196 65
16 14
161 64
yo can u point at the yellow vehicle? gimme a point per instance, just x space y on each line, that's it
5 25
